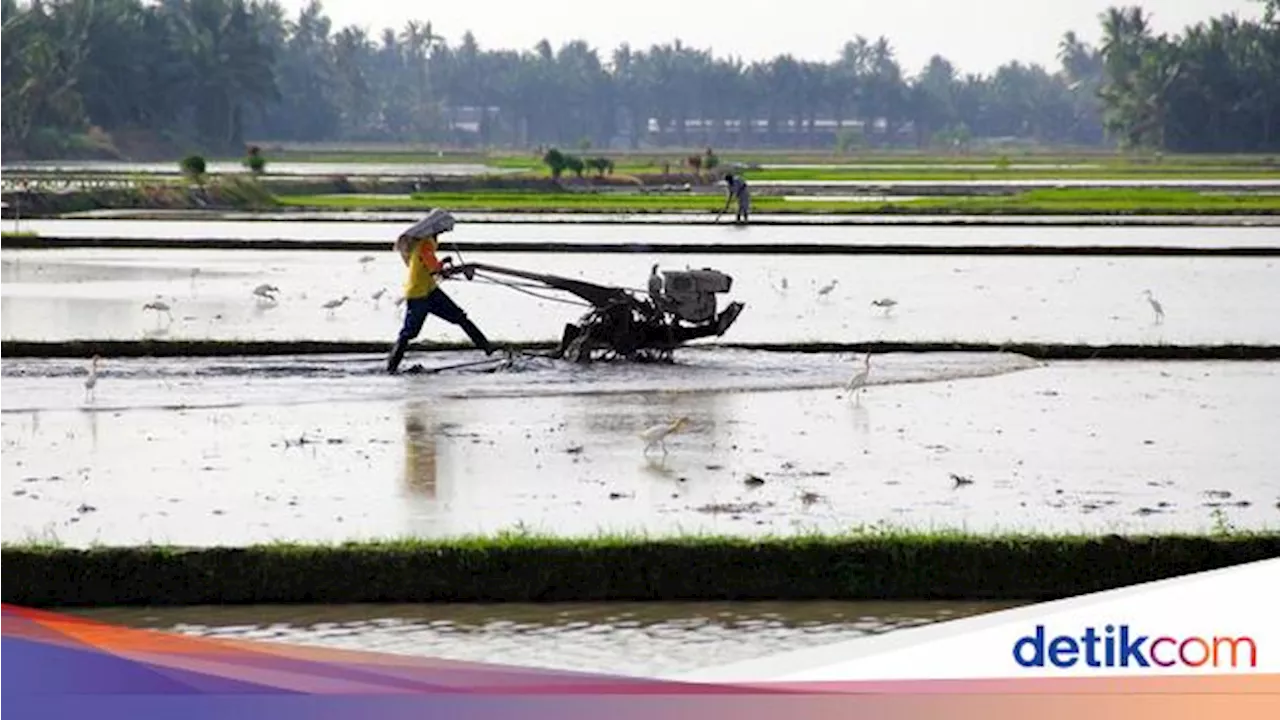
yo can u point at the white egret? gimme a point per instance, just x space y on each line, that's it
266 291
159 306
657 435
92 381
1155 306
826 289
335 304
886 304
859 379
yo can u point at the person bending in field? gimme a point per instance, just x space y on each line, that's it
738 190
423 296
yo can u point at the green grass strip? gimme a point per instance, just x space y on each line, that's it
524 568
650 161
995 174
1085 201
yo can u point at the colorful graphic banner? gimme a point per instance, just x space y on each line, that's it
1004 665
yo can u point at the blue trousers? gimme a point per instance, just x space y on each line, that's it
442 306
434 303
439 304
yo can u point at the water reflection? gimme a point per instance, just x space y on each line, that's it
861 416
625 417
641 638
419 451
93 431
656 465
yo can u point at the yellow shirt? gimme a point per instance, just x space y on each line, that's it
422 261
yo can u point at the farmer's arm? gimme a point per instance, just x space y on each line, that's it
429 259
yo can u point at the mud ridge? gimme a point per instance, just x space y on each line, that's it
227 348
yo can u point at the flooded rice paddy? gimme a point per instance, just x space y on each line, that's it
205 451
231 451
380 229
636 639
662 219
241 450
99 294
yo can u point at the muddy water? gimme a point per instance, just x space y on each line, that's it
99 294
381 228
1093 447
644 639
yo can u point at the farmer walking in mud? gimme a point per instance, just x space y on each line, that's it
422 293
738 190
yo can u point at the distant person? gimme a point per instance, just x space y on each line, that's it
738 189
422 293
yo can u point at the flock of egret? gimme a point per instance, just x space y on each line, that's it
270 293
653 437
886 303
656 435
266 293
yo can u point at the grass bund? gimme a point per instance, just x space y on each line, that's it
81 349
519 567
1058 201
1094 164
641 194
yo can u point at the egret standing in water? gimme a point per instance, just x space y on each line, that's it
655 286
266 292
657 435
92 381
335 304
1155 306
859 379
159 306
886 304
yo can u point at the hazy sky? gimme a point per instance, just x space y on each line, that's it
976 35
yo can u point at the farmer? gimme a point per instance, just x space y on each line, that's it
417 248
738 189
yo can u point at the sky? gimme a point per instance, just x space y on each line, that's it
975 35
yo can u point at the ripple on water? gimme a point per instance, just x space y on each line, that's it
656 639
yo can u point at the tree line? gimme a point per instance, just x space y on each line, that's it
214 73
